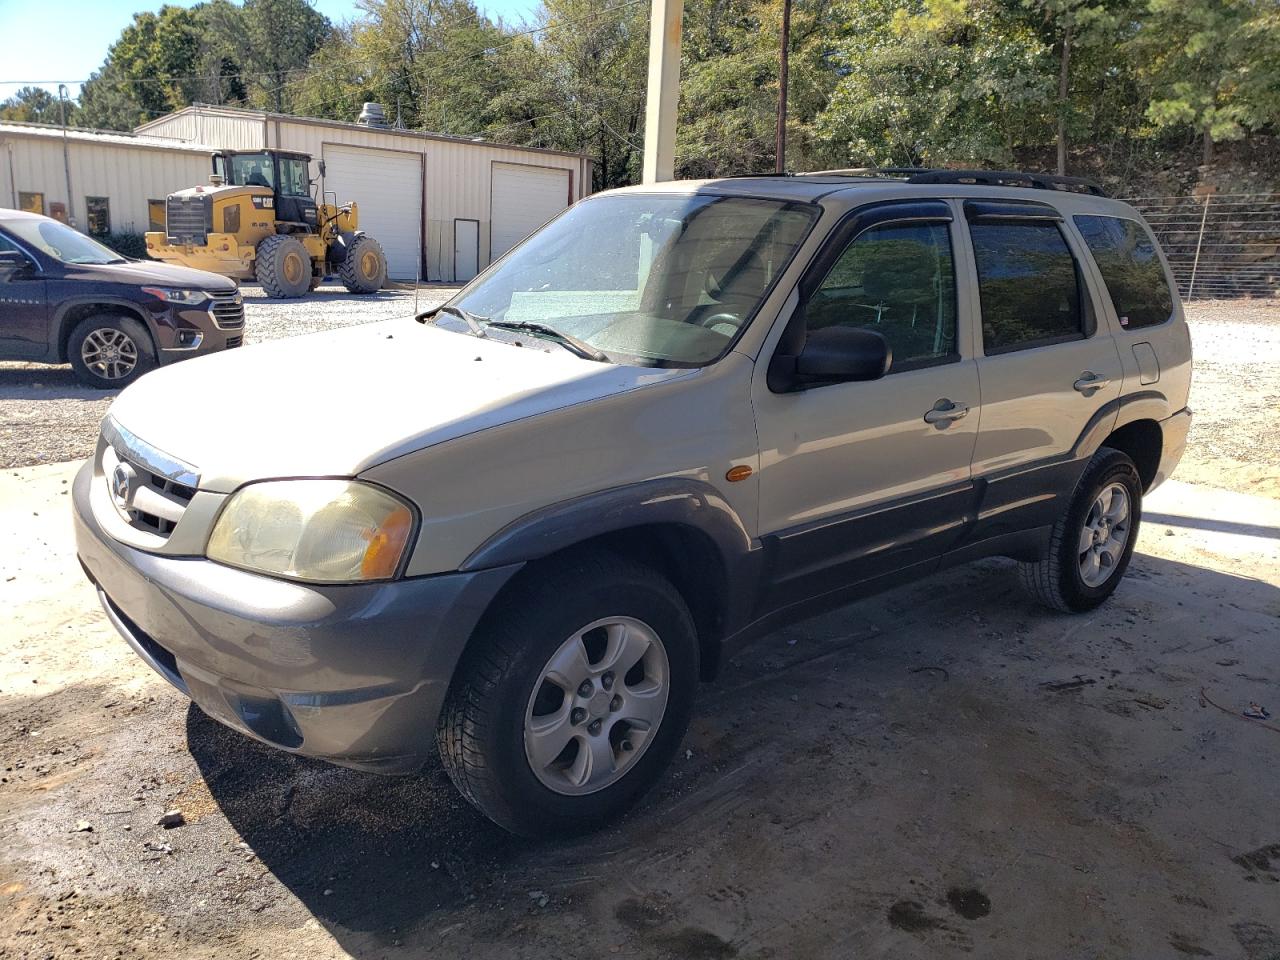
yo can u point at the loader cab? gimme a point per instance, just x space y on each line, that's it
286 175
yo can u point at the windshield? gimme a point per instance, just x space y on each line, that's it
252 170
654 279
61 242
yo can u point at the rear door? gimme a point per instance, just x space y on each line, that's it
24 306
859 480
1048 365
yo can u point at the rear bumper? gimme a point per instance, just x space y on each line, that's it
1174 429
353 674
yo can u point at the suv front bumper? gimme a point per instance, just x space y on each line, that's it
354 674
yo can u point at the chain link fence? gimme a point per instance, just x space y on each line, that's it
1219 246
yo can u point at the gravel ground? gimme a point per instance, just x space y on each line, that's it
45 417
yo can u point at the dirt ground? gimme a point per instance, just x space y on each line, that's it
946 770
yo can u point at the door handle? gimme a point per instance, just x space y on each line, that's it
1091 381
945 411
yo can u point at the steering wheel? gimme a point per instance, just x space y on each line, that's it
732 319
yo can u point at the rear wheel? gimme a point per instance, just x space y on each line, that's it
283 267
1091 544
108 351
570 703
365 268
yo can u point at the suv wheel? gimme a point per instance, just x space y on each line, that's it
570 703
1092 542
283 267
109 351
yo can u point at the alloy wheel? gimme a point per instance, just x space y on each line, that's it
1104 534
109 353
596 706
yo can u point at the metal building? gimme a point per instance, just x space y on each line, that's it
442 207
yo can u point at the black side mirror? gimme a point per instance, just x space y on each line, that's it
831 355
320 167
14 265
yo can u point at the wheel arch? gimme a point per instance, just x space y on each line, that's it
684 529
71 312
1142 441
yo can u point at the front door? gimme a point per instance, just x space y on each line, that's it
1049 370
861 479
24 308
466 249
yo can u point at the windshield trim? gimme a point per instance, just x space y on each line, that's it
812 207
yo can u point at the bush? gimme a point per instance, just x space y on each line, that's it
132 245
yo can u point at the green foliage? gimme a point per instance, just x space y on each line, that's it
904 82
36 105
132 245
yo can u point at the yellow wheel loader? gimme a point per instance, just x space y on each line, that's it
257 220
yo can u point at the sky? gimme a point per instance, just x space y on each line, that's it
66 40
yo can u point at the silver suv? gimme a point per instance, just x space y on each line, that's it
522 528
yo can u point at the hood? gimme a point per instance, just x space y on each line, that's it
150 271
335 404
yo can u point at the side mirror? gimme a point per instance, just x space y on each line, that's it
832 355
320 167
14 265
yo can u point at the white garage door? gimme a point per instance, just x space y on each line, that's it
524 198
387 187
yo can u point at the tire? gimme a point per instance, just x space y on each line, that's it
108 351
283 267
499 693
365 268
1062 578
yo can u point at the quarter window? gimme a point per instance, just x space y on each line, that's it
899 280
99 210
1028 284
1126 256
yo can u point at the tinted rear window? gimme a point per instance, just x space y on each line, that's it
1126 257
1028 285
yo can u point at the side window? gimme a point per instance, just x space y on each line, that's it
99 209
899 280
1127 259
293 178
1028 285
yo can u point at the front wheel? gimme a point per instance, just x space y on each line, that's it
365 268
572 700
1091 544
108 352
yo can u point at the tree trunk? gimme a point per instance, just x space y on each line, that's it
1063 76
1206 156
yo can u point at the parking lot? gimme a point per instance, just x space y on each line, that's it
945 770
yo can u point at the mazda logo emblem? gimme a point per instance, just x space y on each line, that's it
122 478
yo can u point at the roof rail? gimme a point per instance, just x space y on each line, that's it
990 178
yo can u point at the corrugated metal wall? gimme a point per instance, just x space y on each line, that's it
458 173
128 176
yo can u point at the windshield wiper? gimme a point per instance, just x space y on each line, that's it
471 319
567 340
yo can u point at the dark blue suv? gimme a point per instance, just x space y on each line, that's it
65 298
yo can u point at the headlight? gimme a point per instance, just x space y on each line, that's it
170 295
319 530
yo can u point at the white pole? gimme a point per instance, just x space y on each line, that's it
665 18
1195 266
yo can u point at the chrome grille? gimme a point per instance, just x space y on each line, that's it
188 219
227 310
148 488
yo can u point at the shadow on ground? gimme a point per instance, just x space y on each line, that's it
940 769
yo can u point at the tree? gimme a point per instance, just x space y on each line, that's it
36 105
276 40
1212 66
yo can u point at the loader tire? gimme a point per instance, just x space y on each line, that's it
365 268
283 267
